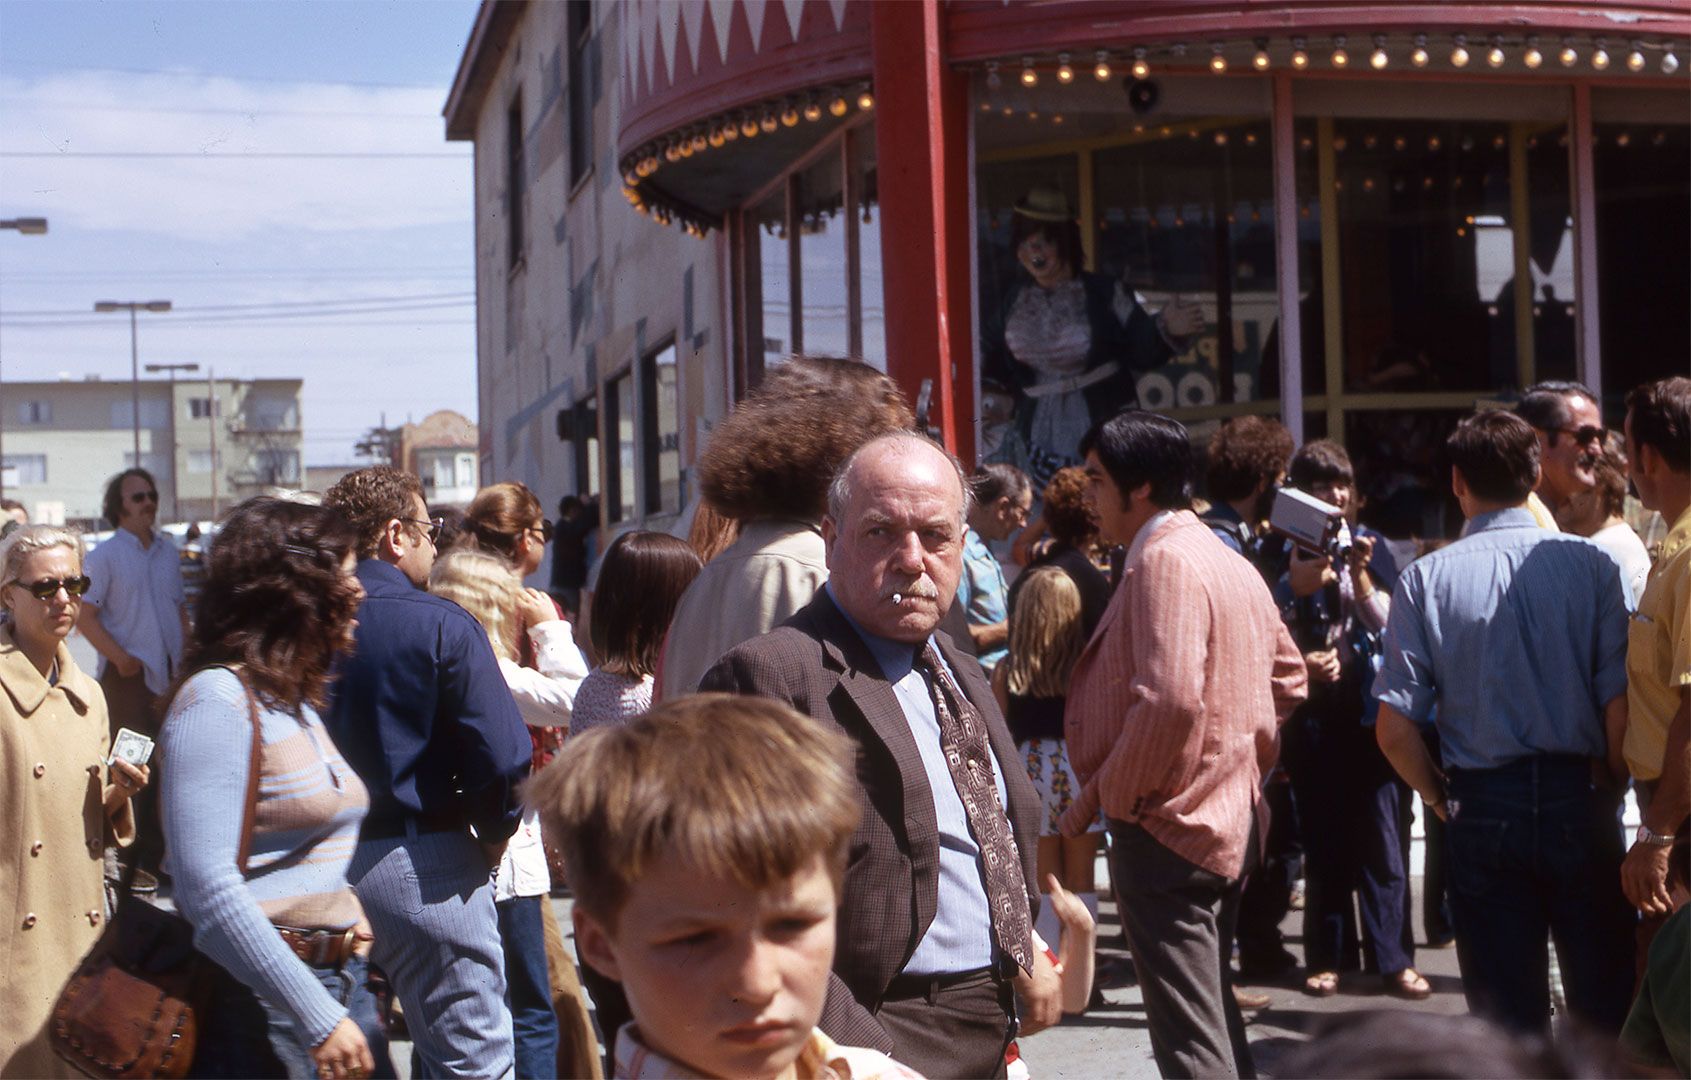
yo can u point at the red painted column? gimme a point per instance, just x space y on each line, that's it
921 143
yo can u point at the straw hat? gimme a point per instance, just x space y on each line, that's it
1044 204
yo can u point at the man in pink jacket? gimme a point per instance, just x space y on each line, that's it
1173 718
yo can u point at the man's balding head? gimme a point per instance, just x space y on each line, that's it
895 530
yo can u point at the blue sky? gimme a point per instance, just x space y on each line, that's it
259 164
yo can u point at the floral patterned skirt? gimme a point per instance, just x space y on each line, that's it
1054 779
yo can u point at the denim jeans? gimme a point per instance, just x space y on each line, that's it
527 989
243 1036
1534 852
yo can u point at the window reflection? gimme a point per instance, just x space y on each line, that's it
822 257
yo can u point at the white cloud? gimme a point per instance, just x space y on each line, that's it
218 199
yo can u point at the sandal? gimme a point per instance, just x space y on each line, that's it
1322 984
1410 985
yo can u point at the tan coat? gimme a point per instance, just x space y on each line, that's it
53 835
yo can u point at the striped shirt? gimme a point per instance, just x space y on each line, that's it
305 826
1174 707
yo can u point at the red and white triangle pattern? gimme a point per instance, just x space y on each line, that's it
666 42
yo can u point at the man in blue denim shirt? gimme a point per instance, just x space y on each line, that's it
1003 496
422 713
1518 636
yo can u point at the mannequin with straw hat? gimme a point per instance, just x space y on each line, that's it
1067 339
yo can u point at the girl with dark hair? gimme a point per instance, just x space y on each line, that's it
269 899
640 583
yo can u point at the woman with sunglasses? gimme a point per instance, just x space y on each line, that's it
62 804
269 902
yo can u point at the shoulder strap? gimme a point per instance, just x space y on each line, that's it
250 808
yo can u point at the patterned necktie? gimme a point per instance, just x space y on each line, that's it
962 735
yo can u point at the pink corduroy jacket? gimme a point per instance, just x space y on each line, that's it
1175 706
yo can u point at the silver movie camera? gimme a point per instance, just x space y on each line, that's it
1316 526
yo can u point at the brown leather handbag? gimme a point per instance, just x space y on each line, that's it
128 1011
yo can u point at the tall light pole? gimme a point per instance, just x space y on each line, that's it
132 306
28 226
175 487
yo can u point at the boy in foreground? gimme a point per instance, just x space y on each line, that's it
705 843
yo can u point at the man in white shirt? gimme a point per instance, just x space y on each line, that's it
136 616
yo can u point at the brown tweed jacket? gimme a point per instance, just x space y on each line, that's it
817 663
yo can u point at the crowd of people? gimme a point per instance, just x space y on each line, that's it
829 778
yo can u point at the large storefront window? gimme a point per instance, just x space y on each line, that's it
1642 157
810 259
620 468
661 431
1126 244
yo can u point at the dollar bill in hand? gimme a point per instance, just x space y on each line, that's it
131 746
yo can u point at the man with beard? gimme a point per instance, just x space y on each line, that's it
936 945
1569 425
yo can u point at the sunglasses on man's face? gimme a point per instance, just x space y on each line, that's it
1586 434
140 497
47 588
434 525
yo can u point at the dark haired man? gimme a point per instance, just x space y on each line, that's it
1172 714
1658 659
1569 425
423 715
1518 637
136 616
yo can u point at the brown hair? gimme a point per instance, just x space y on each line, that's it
1320 462
1068 517
275 601
1246 451
640 582
1661 419
1063 236
499 514
1497 453
711 532
743 787
112 504
1610 471
370 498
775 454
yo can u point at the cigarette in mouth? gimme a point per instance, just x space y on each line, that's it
897 598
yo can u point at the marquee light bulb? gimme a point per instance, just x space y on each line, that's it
1141 68
1378 58
1101 71
1533 58
1300 55
1030 77
1218 62
1459 54
1065 70
1260 59
1340 57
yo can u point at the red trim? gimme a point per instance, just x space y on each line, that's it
922 156
1286 258
778 66
981 29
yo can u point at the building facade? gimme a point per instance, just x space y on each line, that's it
208 443
1383 215
442 449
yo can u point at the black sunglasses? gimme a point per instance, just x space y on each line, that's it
1586 434
140 497
435 525
47 588
545 529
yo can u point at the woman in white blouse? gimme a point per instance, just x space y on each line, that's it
485 586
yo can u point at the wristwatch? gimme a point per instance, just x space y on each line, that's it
1651 839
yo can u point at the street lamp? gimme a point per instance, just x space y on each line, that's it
175 487
132 306
28 226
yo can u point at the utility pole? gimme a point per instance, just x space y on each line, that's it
175 484
132 306
211 414
25 227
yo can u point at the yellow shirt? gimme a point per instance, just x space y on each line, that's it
1541 513
1658 653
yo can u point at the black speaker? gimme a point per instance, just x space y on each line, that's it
1142 94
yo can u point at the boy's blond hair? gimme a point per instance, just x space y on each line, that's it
1045 634
483 585
741 787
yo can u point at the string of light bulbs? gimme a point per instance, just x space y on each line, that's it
1492 50
716 132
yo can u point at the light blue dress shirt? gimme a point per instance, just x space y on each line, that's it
983 592
1516 634
960 937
